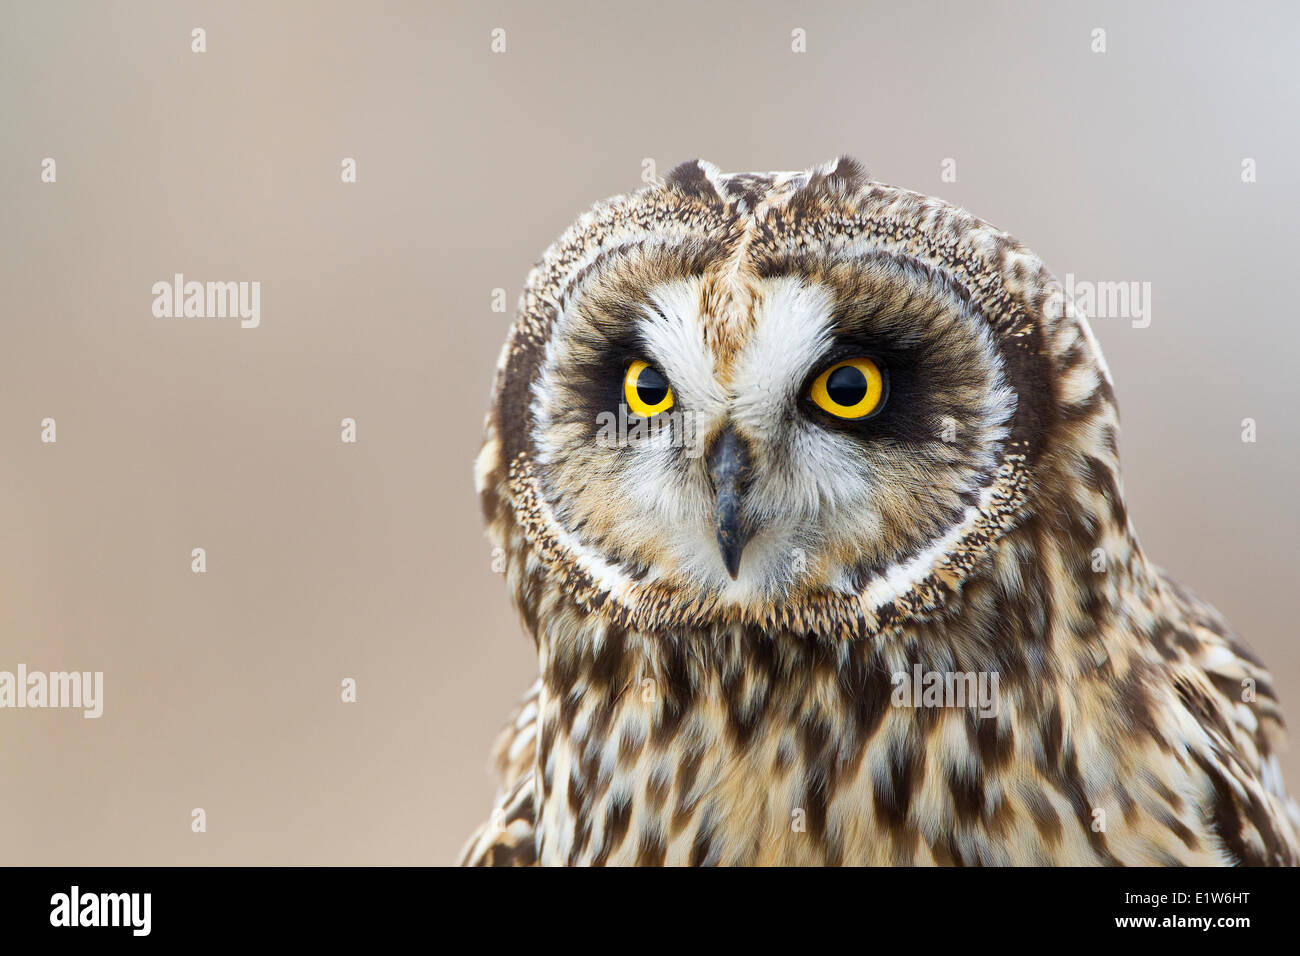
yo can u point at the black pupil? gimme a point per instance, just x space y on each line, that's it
846 385
651 387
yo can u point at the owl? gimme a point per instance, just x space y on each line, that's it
810 499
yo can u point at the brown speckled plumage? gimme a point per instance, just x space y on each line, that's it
682 720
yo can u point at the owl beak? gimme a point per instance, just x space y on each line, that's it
728 464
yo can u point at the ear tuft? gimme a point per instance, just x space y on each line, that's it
692 179
849 173
838 177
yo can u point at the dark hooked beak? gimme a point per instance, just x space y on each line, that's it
728 463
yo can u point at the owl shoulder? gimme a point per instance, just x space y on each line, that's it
1220 683
507 838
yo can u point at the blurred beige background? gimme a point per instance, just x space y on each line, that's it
328 560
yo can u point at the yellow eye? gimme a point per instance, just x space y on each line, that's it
853 388
645 390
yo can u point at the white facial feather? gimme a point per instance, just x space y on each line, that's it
674 335
792 331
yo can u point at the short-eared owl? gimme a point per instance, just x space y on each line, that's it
810 497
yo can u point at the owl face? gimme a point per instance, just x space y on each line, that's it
805 398
850 417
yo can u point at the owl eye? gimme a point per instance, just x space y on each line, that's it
853 388
646 390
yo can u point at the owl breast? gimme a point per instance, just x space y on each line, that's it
764 751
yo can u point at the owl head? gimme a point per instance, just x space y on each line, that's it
801 399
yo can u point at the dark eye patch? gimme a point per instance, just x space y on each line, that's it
909 402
